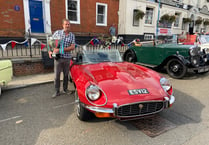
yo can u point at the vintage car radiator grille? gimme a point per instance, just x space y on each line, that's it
139 109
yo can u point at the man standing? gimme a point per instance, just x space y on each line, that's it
62 63
112 31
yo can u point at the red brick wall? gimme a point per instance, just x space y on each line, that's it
87 16
22 68
13 25
12 22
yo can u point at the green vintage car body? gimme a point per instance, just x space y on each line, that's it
175 58
6 72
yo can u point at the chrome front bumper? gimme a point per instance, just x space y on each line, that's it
168 103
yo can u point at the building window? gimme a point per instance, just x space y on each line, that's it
197 28
176 23
73 11
149 15
184 26
135 20
148 36
101 14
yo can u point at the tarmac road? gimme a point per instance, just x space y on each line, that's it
28 116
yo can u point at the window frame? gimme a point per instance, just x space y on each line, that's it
146 16
178 16
105 14
135 20
78 12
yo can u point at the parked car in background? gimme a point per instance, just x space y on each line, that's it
106 86
203 43
177 59
6 73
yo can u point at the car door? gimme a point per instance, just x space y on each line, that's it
147 54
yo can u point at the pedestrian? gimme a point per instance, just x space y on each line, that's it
137 42
112 31
62 63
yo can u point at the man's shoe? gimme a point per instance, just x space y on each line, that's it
57 93
66 91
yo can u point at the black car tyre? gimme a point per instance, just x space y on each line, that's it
130 56
81 112
176 69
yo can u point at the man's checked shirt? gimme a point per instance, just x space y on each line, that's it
67 40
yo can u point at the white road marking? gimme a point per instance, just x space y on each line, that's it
63 105
8 119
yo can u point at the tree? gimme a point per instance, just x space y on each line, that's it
198 21
139 14
187 20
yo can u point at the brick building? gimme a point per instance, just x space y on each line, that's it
19 18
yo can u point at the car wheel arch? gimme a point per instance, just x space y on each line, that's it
179 57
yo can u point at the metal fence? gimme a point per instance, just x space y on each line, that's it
22 51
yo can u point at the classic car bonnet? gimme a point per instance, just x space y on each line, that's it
119 80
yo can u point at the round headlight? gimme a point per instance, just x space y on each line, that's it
93 92
192 52
166 85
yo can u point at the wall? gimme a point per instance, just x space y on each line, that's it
87 16
29 66
12 21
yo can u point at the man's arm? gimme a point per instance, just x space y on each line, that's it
72 46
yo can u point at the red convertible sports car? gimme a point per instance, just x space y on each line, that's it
106 86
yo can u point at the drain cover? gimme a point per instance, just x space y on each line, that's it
153 126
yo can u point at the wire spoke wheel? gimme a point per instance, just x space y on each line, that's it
176 69
130 56
81 111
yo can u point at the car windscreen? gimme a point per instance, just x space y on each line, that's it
103 55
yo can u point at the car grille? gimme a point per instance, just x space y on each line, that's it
139 109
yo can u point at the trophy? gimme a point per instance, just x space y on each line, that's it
55 43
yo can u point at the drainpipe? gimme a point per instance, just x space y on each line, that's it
158 16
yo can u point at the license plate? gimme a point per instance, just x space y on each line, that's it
203 70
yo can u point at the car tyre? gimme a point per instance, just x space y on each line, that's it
82 113
176 69
130 56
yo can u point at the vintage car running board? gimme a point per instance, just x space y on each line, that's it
144 64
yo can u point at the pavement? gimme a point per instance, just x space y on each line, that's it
29 80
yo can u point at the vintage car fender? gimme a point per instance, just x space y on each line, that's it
6 72
180 57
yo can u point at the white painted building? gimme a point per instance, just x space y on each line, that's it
129 27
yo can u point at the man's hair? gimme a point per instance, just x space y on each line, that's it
64 20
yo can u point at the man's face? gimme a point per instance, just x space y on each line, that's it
66 26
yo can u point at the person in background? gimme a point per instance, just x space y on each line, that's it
62 63
137 42
112 31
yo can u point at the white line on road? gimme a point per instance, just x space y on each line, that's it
9 119
63 105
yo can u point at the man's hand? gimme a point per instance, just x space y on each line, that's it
72 46
56 50
50 54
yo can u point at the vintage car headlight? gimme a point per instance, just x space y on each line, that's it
93 92
166 85
194 50
206 50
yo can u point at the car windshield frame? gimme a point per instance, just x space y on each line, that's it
92 56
